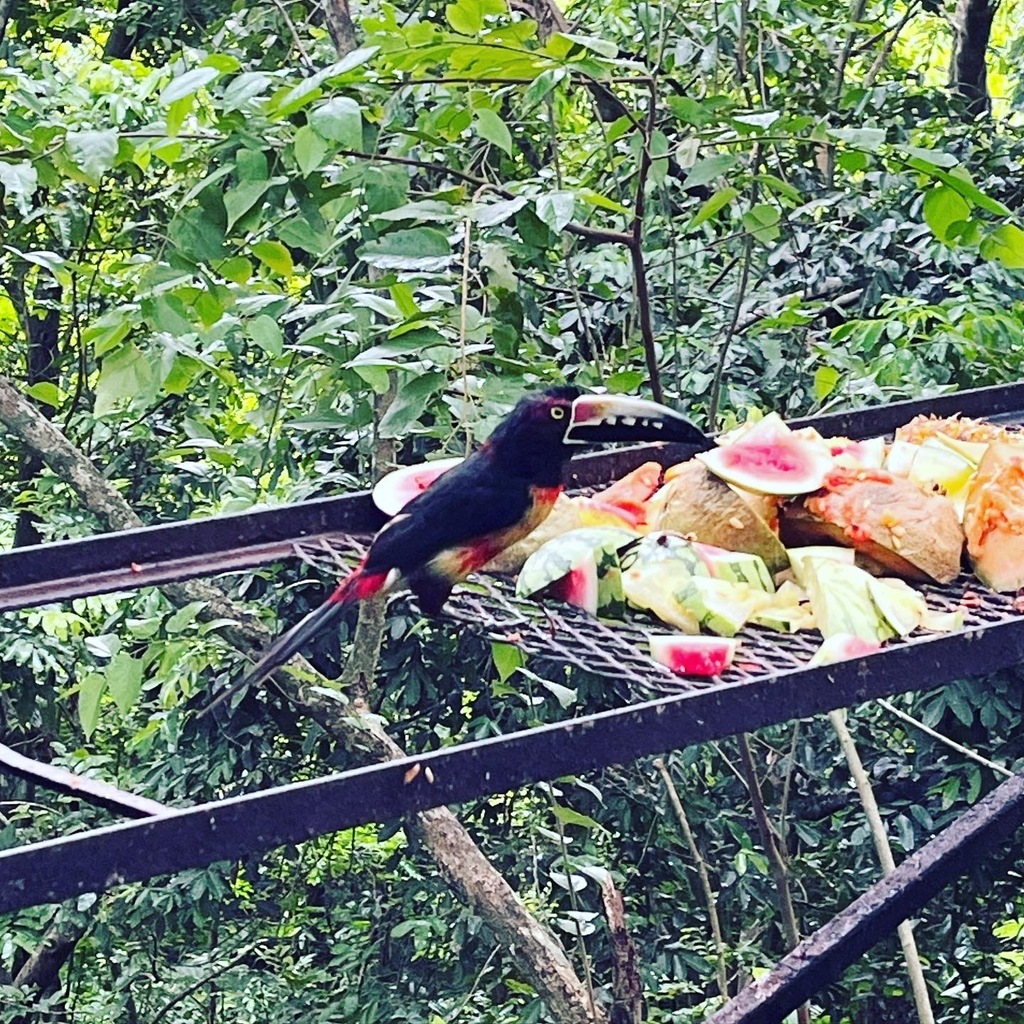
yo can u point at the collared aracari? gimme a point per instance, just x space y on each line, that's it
475 510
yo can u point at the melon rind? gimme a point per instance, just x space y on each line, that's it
652 587
902 607
841 598
580 586
842 647
719 606
798 558
563 555
736 567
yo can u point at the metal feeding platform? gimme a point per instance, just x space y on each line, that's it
770 683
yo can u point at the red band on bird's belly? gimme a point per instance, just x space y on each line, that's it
545 495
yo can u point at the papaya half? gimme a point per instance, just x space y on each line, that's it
895 527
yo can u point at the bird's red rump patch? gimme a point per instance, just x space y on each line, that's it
358 586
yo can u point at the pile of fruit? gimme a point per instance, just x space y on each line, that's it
786 530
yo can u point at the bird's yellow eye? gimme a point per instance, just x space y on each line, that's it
557 412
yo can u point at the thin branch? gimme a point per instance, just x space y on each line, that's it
867 798
890 42
776 859
636 252
710 899
295 34
857 8
723 345
952 744
202 982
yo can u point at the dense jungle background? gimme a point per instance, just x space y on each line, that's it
252 253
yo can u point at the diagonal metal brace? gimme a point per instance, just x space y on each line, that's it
821 958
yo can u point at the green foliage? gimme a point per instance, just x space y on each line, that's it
223 244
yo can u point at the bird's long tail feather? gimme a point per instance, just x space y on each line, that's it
356 587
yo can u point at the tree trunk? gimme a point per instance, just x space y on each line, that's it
42 331
968 73
339 24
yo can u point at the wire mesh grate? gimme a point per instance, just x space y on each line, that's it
561 634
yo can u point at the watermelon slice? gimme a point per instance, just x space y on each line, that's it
842 647
581 567
395 490
693 655
769 458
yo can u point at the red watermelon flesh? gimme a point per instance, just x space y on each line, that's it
693 655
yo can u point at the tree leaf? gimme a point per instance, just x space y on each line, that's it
868 139
90 693
712 205
188 84
425 249
491 127
266 332
467 16
339 120
825 380
556 209
705 171
309 148
275 256
567 816
942 209
20 181
124 375
762 221
507 659
93 151
124 680
1006 245
240 200
489 215
410 403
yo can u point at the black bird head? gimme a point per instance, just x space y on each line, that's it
536 437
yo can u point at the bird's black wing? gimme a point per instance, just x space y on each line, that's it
470 501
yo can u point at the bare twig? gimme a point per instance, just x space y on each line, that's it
710 899
204 981
723 345
294 32
881 840
776 858
999 769
636 252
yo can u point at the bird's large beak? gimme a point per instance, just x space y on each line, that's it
597 418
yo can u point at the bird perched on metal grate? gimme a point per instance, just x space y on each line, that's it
475 510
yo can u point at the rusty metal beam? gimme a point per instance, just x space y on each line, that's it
91 791
129 559
820 959
59 869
